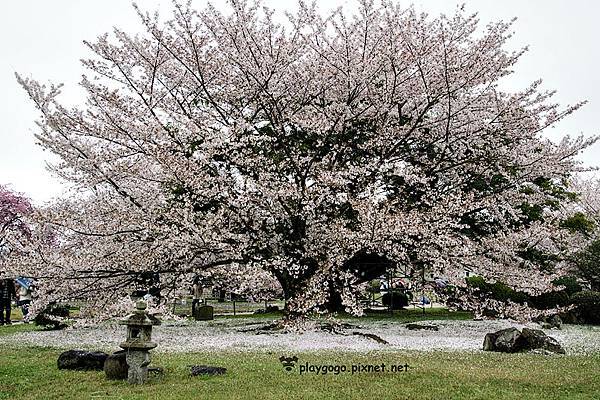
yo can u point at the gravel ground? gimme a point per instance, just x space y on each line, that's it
225 334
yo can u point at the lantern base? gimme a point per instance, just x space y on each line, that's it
137 362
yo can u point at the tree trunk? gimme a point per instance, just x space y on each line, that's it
293 287
364 266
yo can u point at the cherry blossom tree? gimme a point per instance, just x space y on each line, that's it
15 232
586 220
239 142
588 202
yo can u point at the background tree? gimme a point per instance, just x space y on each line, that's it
14 229
217 139
587 220
587 262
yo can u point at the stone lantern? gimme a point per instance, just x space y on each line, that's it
138 343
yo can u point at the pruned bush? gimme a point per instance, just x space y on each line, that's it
498 290
570 283
548 300
519 297
477 282
52 317
397 299
502 292
588 306
587 262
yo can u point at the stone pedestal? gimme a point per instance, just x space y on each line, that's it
138 361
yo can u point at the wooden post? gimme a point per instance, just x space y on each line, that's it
391 293
423 287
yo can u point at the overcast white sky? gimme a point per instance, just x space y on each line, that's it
43 39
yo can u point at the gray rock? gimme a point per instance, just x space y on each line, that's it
536 339
372 336
511 340
413 327
82 360
556 322
488 342
115 366
506 341
269 309
206 370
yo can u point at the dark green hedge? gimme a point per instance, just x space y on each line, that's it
502 292
588 306
398 300
47 319
498 290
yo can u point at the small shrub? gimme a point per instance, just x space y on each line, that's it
520 297
477 282
570 283
548 300
588 306
578 222
398 300
501 291
52 316
587 262
498 290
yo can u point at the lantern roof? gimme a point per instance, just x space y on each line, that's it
140 317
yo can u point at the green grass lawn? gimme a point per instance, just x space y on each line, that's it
31 373
408 314
16 328
224 308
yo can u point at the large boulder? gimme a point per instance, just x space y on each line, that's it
506 341
537 339
115 366
82 360
511 340
571 317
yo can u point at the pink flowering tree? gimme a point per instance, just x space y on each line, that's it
586 219
298 148
588 202
15 231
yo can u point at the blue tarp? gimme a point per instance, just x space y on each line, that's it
25 282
